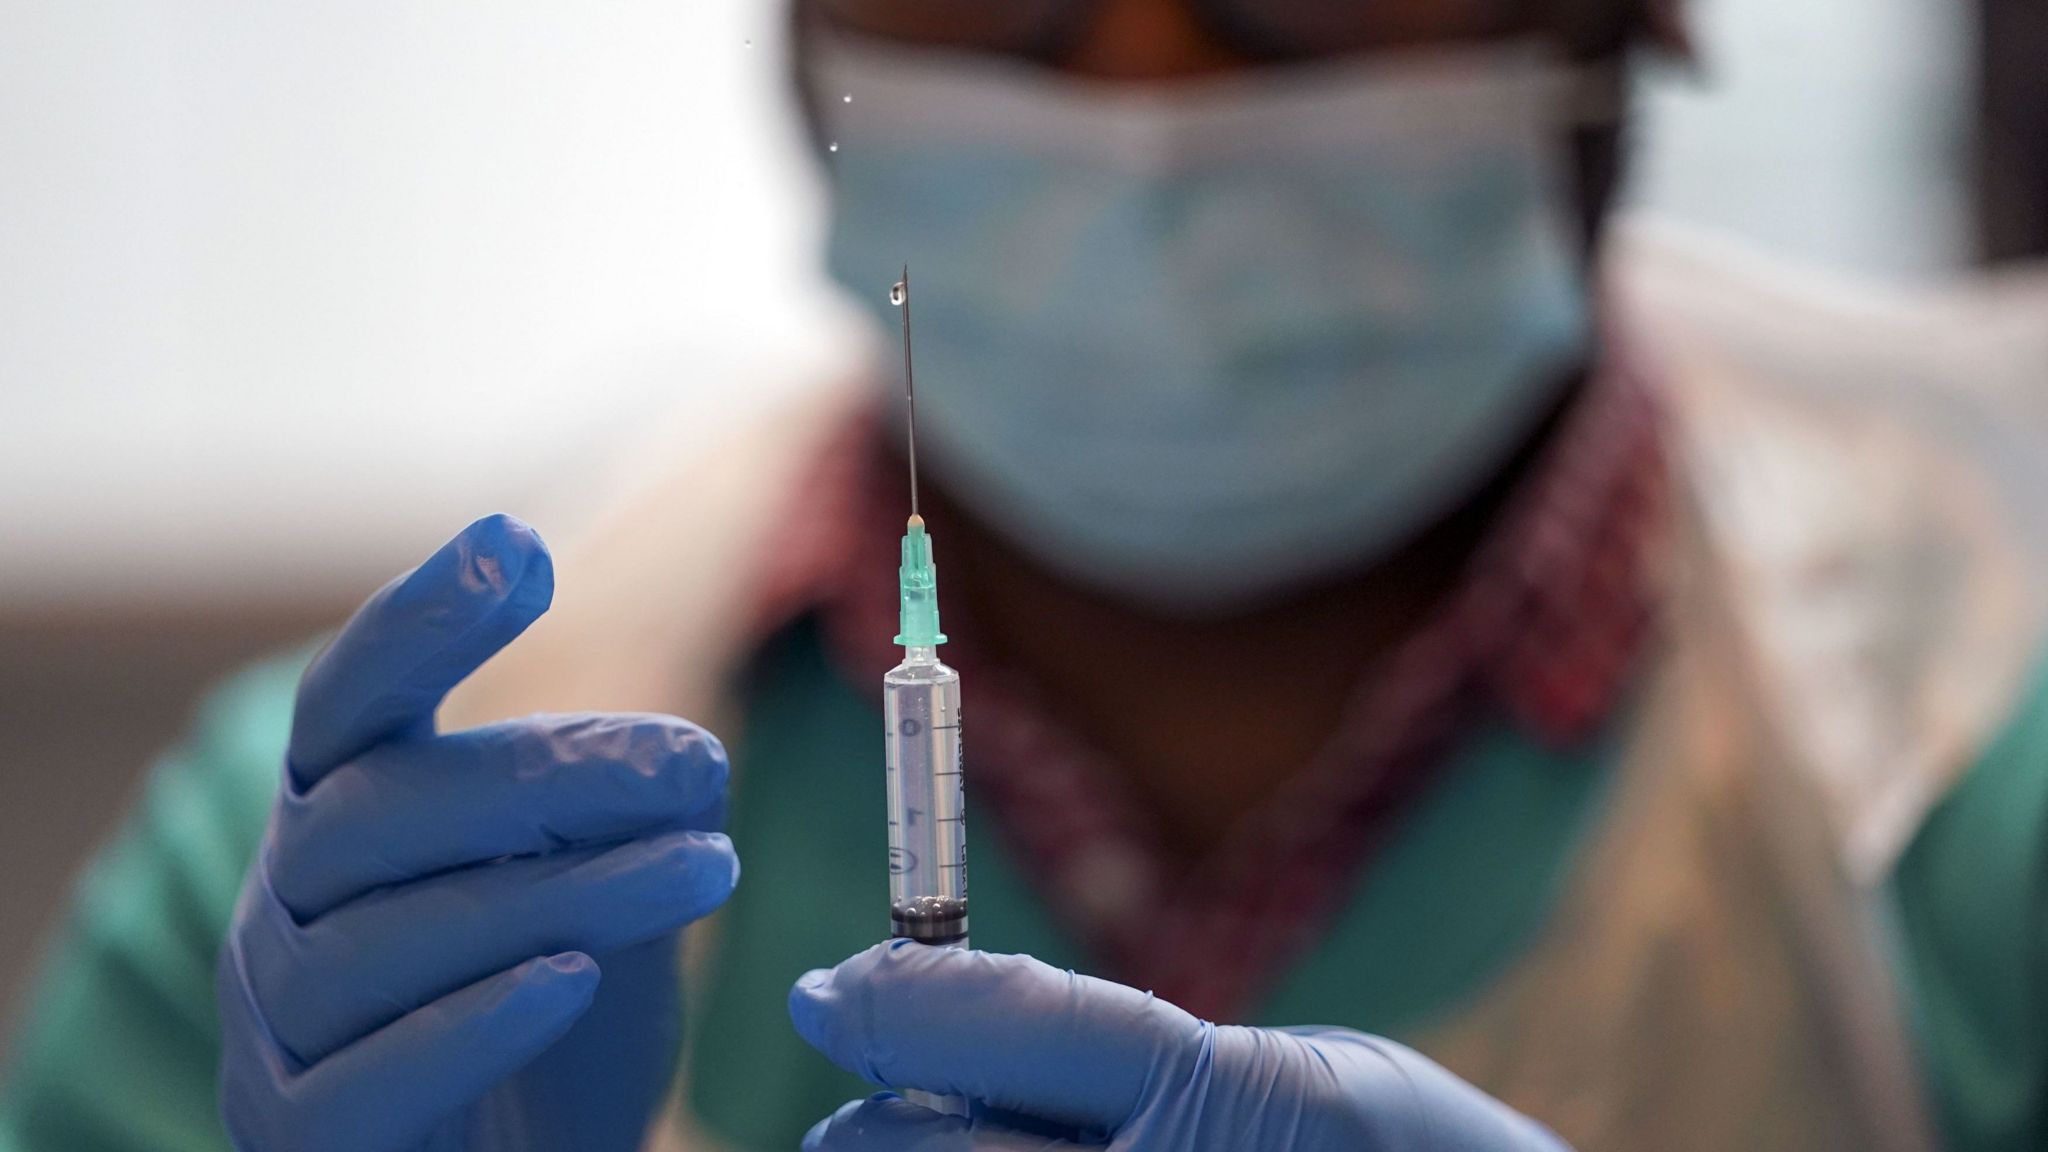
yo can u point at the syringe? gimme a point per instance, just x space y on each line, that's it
921 711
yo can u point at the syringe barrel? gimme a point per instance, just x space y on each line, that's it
927 801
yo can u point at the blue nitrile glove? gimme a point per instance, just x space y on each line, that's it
1052 1060
464 941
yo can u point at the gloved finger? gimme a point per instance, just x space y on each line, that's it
324 984
389 1090
1005 1030
889 1123
1404 1096
403 811
391 664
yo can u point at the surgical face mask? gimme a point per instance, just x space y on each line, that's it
1204 344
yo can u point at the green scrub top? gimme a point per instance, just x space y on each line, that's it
120 1044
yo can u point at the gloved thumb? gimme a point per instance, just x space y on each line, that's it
1005 1030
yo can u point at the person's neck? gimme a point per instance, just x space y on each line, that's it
1207 717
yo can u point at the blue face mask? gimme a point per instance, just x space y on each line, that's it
1204 344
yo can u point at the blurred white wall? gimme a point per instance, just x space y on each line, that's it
1831 132
289 291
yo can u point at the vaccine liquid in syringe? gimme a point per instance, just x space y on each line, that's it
927 801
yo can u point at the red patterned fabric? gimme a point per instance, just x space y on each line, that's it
1542 628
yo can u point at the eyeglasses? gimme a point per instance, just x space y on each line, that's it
1266 29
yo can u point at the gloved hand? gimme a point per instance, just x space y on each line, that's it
464 941
1052 1060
